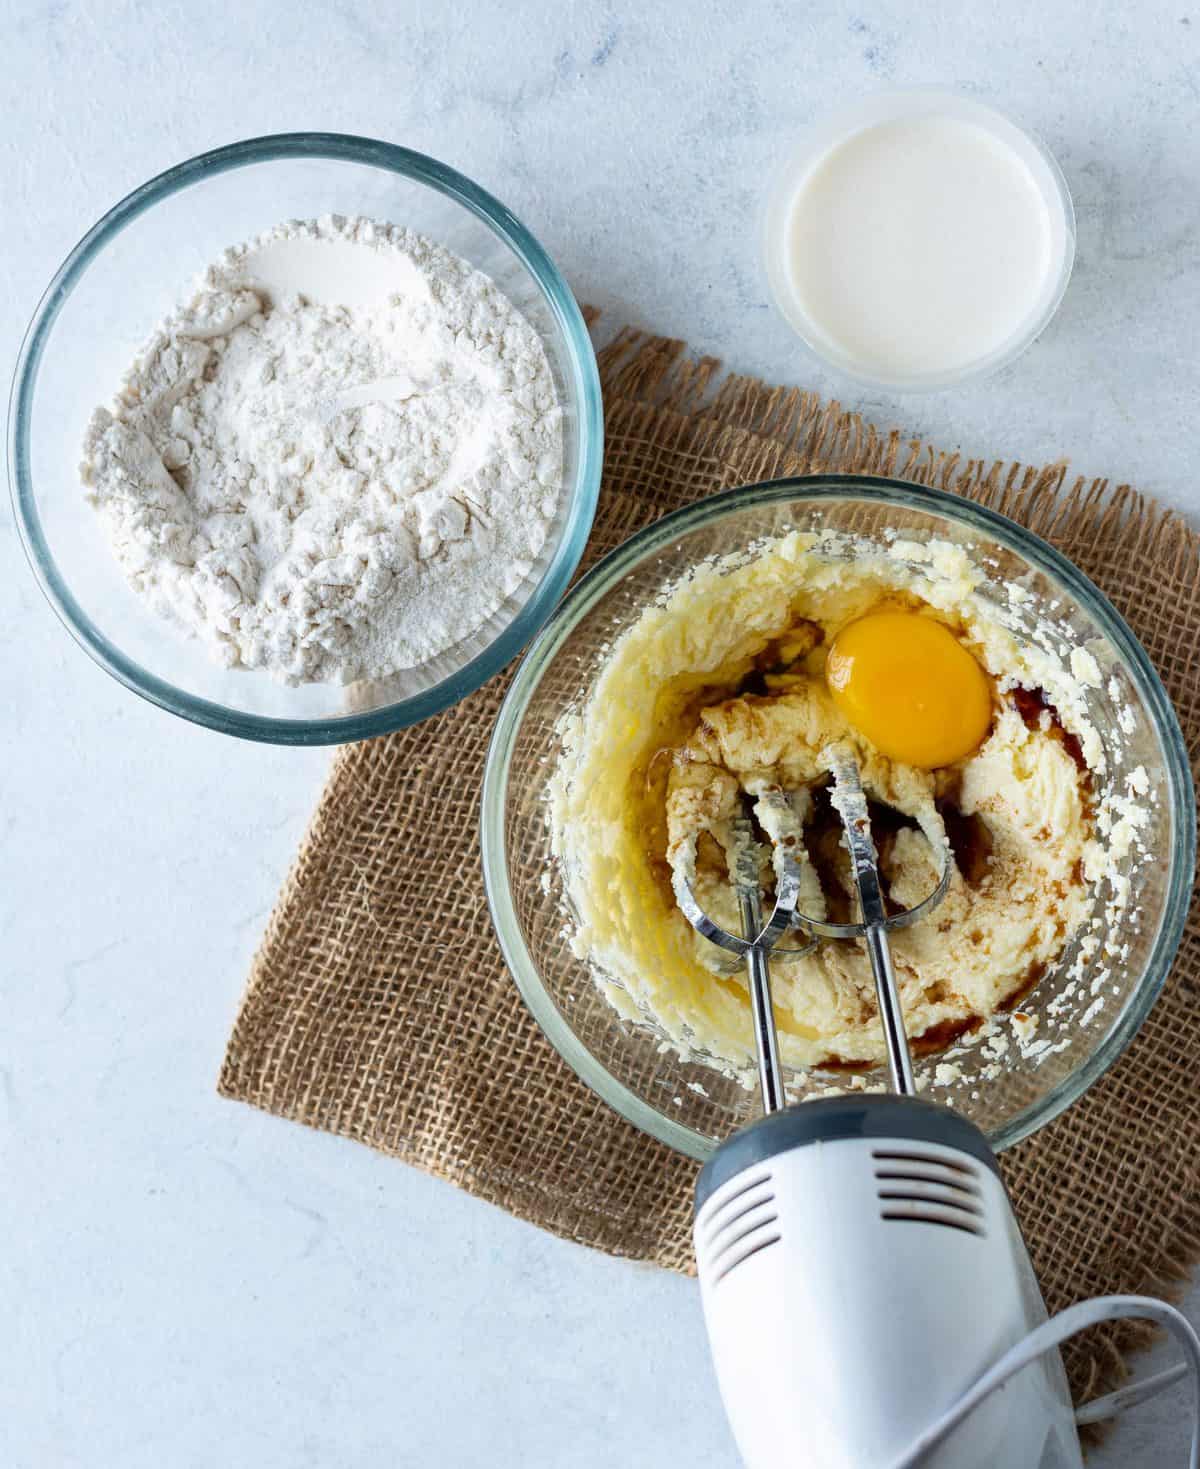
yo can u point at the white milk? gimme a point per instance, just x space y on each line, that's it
919 246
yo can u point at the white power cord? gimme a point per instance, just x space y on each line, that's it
1053 1333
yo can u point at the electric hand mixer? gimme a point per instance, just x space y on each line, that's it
869 1299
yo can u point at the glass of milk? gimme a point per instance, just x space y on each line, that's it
919 238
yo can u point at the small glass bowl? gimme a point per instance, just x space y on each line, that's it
691 1105
127 272
888 106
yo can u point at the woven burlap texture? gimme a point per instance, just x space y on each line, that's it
379 1008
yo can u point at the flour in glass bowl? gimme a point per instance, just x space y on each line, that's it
337 460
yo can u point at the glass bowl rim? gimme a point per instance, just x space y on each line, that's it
652 538
585 383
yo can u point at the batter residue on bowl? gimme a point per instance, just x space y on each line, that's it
720 691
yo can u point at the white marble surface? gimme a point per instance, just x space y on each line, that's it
182 1280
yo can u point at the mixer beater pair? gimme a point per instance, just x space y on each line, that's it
759 941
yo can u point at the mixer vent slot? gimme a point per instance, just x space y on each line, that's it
752 1249
755 1191
922 1188
742 1225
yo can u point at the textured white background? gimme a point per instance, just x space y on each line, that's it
182 1281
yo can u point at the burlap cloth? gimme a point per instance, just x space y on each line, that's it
379 1007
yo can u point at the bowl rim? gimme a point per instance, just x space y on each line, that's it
652 538
585 386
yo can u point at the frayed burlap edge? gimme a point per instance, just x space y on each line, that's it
648 377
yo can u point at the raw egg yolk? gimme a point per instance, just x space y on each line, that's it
908 685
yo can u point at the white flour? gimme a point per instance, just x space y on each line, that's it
338 459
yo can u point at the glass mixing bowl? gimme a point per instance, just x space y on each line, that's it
126 273
691 1105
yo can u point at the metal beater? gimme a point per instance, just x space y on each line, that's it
757 940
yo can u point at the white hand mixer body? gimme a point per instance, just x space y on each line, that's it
860 1268
860 1265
